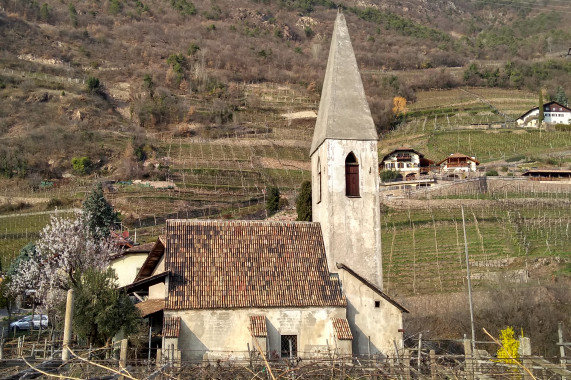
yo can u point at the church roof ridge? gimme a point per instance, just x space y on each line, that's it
344 112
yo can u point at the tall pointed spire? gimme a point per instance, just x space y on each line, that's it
344 112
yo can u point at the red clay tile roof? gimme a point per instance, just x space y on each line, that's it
238 264
258 325
149 307
342 330
141 248
171 327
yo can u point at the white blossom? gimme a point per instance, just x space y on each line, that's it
65 249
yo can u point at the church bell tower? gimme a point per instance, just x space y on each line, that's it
344 159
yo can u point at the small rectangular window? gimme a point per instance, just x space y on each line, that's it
377 303
289 346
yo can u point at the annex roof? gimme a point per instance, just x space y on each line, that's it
146 282
134 250
149 307
153 258
171 327
258 325
240 264
342 329
372 286
344 112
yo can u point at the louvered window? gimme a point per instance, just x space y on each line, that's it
351 176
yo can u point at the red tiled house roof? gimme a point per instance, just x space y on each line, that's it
239 264
171 327
258 325
342 330
149 307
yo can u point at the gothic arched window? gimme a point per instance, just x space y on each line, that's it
351 176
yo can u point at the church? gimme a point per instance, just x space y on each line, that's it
224 289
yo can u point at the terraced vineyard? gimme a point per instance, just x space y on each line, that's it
423 249
477 122
225 177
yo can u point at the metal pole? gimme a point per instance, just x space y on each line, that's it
150 337
67 326
419 350
469 283
561 347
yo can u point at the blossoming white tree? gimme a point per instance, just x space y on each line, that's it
66 248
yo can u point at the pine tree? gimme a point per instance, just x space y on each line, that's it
100 214
303 204
561 98
101 309
272 200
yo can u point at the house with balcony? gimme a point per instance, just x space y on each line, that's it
458 163
409 162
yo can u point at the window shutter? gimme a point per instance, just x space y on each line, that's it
351 176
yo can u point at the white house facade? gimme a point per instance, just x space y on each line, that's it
553 113
409 162
458 163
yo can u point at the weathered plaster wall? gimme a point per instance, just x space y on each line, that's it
225 333
380 323
159 290
126 267
350 226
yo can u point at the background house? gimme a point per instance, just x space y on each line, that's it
458 163
127 263
409 162
548 174
553 113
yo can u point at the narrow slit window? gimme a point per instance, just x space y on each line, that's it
319 180
351 176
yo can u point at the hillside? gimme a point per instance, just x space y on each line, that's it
218 98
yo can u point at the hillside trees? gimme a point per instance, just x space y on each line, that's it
272 199
99 214
303 203
101 309
64 252
540 105
560 97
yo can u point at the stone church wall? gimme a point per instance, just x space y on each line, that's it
224 334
